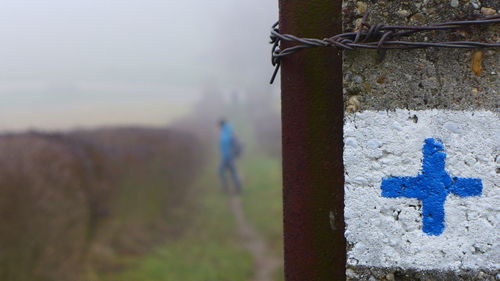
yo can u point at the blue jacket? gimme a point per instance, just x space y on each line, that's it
226 141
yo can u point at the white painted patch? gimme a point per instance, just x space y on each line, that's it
387 232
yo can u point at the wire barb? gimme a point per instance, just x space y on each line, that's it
379 36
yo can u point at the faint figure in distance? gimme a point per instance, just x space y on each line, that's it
230 150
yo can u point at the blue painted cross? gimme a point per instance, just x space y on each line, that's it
431 186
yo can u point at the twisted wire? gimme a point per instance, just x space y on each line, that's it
378 36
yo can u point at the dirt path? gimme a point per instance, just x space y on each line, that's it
265 263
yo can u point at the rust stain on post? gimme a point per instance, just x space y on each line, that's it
312 116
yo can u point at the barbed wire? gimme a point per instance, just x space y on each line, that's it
379 36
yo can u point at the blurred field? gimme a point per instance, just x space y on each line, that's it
211 249
109 139
263 201
71 203
208 251
137 204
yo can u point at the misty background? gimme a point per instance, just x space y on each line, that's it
73 64
110 167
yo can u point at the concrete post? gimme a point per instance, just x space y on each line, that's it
422 142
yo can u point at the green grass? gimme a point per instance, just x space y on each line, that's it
262 200
209 251
262 195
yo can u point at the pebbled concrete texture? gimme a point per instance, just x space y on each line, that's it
362 273
420 81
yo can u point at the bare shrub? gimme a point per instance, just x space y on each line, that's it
44 225
70 202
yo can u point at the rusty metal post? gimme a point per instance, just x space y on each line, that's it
312 116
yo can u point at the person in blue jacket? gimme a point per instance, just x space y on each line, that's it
229 150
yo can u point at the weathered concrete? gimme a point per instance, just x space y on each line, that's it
387 232
363 273
416 83
422 79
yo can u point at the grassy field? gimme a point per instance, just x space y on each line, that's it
260 167
262 200
209 250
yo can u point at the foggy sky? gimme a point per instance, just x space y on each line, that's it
67 63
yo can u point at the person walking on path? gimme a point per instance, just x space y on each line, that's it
230 149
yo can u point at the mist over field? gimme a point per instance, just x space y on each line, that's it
67 64
110 168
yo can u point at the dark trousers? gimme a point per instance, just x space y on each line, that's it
227 165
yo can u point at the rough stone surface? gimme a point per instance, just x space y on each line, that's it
384 234
364 273
422 80
388 232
